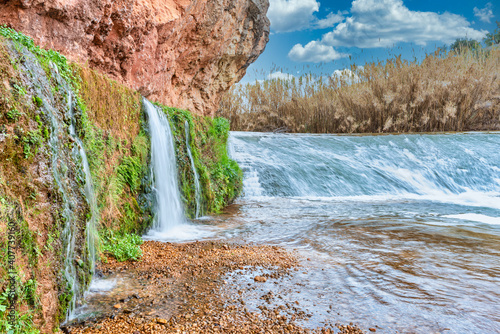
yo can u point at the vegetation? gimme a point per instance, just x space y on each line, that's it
465 45
445 92
117 147
115 137
122 246
493 38
220 177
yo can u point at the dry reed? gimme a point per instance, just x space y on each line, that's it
445 92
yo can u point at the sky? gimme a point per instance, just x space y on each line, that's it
324 36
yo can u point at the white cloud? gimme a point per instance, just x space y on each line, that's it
314 52
382 23
291 15
330 21
485 14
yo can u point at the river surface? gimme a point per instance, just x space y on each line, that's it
403 231
399 233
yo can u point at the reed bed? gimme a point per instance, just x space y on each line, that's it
444 92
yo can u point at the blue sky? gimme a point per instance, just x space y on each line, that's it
322 36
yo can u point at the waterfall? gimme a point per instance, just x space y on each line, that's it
195 173
169 210
72 183
91 235
459 169
79 154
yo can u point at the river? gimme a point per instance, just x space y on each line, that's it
403 231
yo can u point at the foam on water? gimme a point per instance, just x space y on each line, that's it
458 169
477 218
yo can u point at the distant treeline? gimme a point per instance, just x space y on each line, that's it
447 91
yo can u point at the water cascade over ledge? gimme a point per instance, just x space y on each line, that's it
403 231
198 212
170 223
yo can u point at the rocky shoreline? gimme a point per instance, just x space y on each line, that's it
186 288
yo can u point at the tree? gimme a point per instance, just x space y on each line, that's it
493 37
463 44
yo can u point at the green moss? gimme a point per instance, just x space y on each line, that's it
123 246
37 101
220 177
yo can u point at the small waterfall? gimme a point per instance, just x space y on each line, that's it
169 210
91 236
70 270
195 172
70 171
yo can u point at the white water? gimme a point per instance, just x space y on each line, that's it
403 230
170 223
66 168
198 212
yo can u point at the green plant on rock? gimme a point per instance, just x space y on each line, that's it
37 101
13 114
123 246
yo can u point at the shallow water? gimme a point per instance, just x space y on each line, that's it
403 230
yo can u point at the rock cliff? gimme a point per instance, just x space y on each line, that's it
182 53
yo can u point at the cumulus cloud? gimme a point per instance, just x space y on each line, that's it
314 52
382 23
485 14
329 21
294 15
291 15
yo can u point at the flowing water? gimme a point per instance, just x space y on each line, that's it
197 186
68 165
403 231
169 223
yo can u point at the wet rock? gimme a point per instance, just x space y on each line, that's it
261 279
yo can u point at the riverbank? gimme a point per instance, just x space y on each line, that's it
188 288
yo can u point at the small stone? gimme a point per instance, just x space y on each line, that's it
225 247
372 329
162 321
117 306
260 279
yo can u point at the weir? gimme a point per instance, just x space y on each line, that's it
400 224
457 169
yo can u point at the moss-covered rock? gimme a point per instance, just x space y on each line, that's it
48 108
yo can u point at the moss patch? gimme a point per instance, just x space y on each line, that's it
220 177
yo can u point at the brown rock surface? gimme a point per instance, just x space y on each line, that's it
183 53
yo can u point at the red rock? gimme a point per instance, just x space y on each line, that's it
372 329
260 279
182 53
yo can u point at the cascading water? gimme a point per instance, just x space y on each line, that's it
458 169
70 171
169 210
404 230
91 234
195 173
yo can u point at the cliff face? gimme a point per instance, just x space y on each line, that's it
182 53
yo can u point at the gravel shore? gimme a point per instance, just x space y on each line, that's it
183 288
